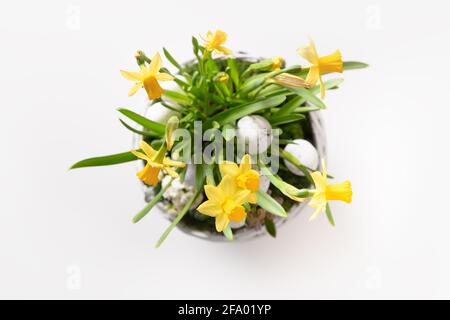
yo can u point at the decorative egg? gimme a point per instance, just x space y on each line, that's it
305 152
256 132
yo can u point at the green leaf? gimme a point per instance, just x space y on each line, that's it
329 215
142 133
351 65
279 120
256 81
290 106
177 97
105 160
270 227
294 160
238 112
234 71
329 84
228 233
182 213
308 96
172 60
195 45
287 189
269 204
152 203
146 123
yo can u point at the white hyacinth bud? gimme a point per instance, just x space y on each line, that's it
305 152
256 132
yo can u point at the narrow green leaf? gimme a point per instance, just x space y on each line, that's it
172 60
329 84
294 160
195 46
269 204
238 112
290 106
351 65
270 227
329 215
146 123
151 203
228 233
309 96
279 120
177 97
182 213
256 81
105 160
234 71
142 133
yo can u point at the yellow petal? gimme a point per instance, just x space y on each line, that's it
313 76
319 181
149 151
224 50
134 89
140 155
214 193
316 213
155 65
241 196
173 163
309 53
133 76
210 208
246 163
322 88
228 167
164 77
171 172
222 222
228 186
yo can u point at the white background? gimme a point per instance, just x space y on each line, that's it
68 234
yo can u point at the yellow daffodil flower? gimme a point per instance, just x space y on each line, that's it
319 65
290 80
243 176
325 191
277 63
215 41
148 78
224 203
156 161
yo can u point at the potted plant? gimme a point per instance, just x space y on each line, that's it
242 147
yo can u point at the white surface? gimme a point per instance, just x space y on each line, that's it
387 130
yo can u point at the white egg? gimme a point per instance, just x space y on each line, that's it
256 132
305 152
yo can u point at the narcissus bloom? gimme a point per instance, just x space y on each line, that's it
319 65
148 78
277 63
156 161
243 176
224 203
215 41
324 192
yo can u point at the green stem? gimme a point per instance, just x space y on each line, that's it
180 216
292 159
152 203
